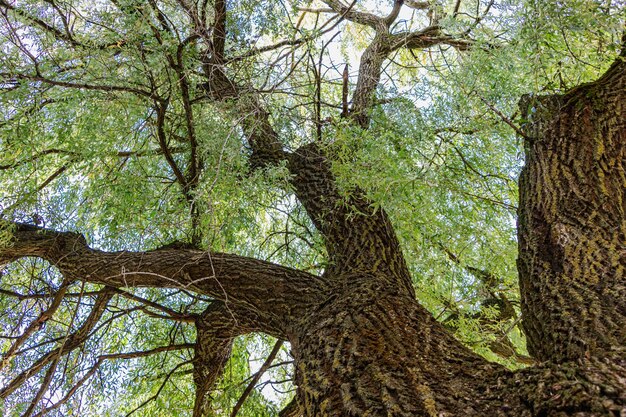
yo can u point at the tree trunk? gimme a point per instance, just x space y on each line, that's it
572 227
572 249
363 346
370 351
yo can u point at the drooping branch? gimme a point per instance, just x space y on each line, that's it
276 293
7 77
96 366
70 343
166 379
64 35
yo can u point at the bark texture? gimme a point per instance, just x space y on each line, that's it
572 224
362 344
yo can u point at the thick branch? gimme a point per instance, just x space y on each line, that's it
349 13
277 294
372 59
359 238
262 138
363 242
219 32
217 327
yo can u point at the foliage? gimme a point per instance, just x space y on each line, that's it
82 150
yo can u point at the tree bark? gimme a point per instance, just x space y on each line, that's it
572 224
361 342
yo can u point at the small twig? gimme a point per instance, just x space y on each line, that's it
257 376
503 117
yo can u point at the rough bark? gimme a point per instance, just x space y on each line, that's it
358 237
572 224
271 293
216 330
372 351
362 344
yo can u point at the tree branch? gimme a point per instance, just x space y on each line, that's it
65 35
277 294
358 237
216 328
348 12
257 376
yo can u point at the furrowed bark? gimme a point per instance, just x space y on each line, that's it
274 294
369 352
293 409
346 235
216 328
358 237
572 223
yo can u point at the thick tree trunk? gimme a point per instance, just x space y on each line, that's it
572 223
572 249
371 351
362 344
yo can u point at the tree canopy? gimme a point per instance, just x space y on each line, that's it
178 126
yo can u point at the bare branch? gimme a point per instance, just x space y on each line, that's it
161 108
144 353
457 6
257 376
168 311
42 388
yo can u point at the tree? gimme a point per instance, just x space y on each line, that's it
136 108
